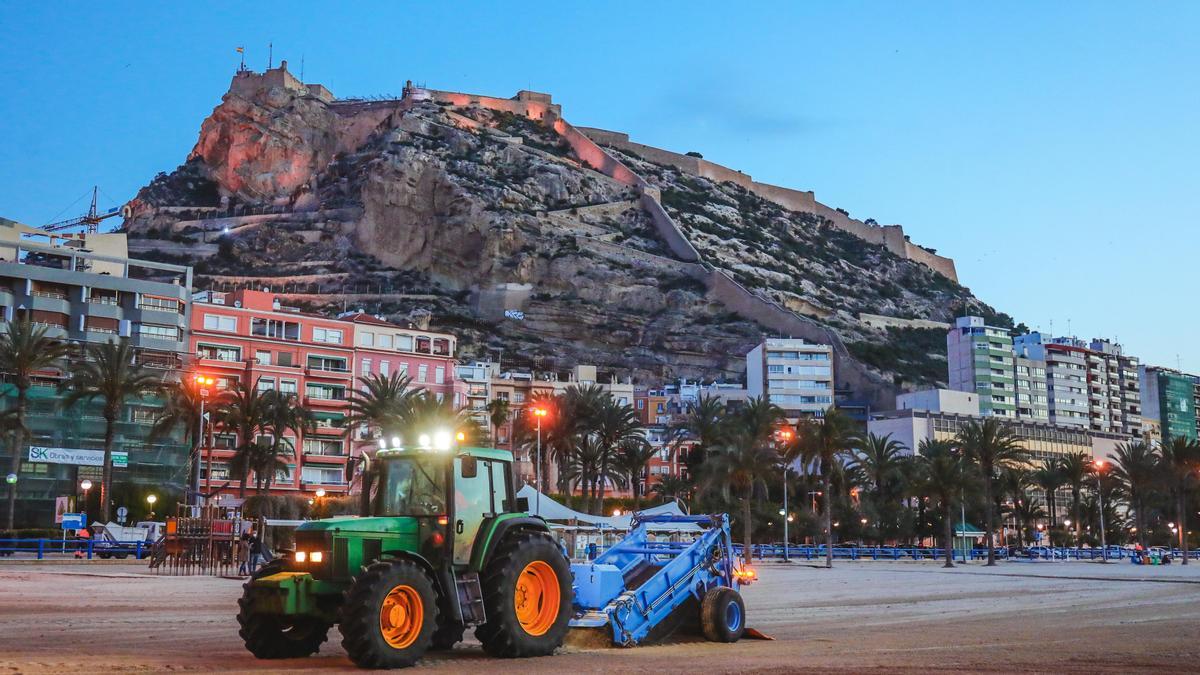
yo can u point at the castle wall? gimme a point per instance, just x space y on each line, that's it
890 236
535 107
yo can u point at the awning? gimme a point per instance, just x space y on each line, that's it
967 530
555 512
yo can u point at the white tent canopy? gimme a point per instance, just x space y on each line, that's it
553 511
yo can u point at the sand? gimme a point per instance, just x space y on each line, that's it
866 616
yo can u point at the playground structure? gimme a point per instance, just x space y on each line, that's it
199 540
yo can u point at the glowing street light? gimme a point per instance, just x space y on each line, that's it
11 479
538 412
320 492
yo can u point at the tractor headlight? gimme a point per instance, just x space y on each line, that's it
310 556
316 556
301 556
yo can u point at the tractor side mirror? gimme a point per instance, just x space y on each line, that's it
470 467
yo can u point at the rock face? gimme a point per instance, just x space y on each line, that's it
458 208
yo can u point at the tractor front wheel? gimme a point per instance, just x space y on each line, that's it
526 597
389 615
269 636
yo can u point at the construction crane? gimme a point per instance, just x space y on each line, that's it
91 221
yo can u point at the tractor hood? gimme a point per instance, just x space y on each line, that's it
390 525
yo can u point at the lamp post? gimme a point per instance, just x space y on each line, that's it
783 436
1099 465
150 499
202 383
813 494
538 412
85 485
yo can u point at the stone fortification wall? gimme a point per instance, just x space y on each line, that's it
534 105
890 236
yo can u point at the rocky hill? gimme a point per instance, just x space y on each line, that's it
496 219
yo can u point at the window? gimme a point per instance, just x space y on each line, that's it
325 392
641 404
774 368
266 384
385 341
383 368
366 339
328 363
322 475
274 328
157 332
327 335
219 352
287 386
284 475
439 375
220 322
322 446
225 441
366 367
262 357
422 372
227 381
220 470
158 304
404 343
518 396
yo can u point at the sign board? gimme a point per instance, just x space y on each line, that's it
514 314
122 512
76 456
74 521
1037 536
61 506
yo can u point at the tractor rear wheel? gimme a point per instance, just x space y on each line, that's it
526 597
723 615
389 615
269 636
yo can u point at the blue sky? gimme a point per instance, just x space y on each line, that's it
1050 149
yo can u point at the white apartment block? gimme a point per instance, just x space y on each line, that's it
794 374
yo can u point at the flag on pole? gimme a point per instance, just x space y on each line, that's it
240 50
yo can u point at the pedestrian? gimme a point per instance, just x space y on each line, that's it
256 551
243 553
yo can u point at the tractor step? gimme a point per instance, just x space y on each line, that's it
470 598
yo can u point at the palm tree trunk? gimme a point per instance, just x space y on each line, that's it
949 534
1075 490
17 450
827 482
746 530
989 517
634 482
1183 523
110 423
1139 521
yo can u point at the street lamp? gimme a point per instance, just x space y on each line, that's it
538 413
1099 466
11 479
85 485
150 499
783 436
320 492
202 383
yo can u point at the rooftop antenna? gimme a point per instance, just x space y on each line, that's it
302 67
1069 333
270 55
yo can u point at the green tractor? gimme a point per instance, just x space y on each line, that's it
440 545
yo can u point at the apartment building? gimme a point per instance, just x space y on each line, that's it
250 337
1170 400
980 359
383 348
84 290
1114 389
792 373
1066 376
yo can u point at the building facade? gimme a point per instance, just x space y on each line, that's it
1171 400
86 298
794 374
980 359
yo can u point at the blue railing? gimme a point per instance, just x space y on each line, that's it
811 552
87 548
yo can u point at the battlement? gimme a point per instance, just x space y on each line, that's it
246 83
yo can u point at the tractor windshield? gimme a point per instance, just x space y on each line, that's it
410 486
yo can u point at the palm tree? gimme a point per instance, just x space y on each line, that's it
1135 467
945 476
110 373
1076 468
672 487
181 410
1014 483
991 445
703 423
427 414
1026 510
632 459
498 412
283 413
615 425
741 466
821 441
244 410
583 467
1180 459
881 462
380 402
1049 477
24 351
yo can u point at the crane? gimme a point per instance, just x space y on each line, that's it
91 220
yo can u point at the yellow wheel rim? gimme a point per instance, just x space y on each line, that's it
401 617
537 597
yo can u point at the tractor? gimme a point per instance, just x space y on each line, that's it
440 545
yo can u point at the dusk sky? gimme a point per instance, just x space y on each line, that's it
1049 148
